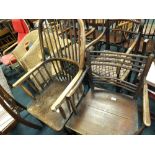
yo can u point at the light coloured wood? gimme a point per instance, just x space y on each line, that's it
95 40
27 91
58 102
40 108
25 76
146 108
6 50
83 45
76 86
90 32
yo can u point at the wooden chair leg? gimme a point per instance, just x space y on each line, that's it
29 124
140 131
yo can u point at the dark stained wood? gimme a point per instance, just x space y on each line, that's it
103 112
14 108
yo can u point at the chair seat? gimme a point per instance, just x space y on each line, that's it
8 59
40 108
105 113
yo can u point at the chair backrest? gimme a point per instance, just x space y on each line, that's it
113 62
149 28
62 44
20 49
63 38
7 37
122 33
95 22
20 27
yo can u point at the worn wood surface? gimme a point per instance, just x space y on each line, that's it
40 108
104 112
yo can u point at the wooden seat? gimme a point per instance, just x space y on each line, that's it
40 107
103 112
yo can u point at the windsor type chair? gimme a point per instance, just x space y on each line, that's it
63 48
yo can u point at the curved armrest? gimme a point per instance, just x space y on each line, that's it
58 102
146 108
77 84
133 45
13 45
90 32
96 40
26 76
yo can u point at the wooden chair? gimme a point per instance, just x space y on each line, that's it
104 111
54 77
6 120
7 35
148 32
13 110
121 34
94 28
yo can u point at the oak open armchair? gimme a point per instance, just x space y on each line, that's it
63 48
105 111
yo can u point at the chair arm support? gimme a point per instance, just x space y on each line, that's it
77 84
5 51
90 32
96 40
26 76
58 102
146 109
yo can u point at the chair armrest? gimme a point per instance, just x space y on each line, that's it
96 40
13 45
90 32
26 76
58 102
73 90
146 108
